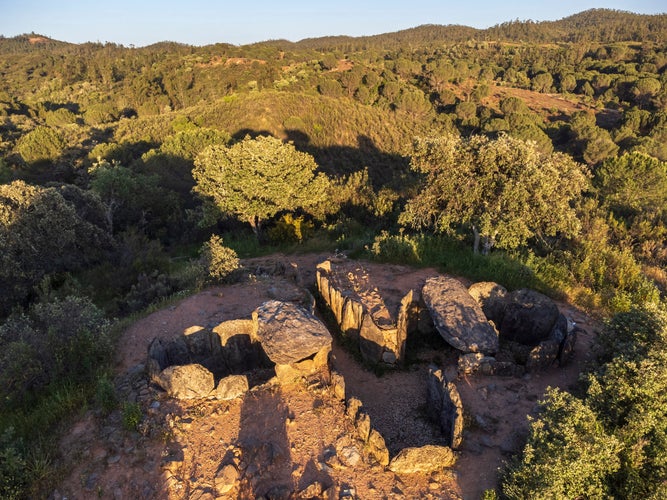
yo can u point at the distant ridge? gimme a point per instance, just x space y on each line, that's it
593 25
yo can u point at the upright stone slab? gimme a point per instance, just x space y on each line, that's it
445 406
361 312
458 317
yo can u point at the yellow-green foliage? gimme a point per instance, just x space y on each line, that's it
611 443
41 144
568 455
290 229
220 261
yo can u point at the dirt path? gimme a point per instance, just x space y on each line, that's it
282 440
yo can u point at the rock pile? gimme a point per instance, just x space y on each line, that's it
534 335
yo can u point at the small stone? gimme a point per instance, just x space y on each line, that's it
348 492
91 481
349 456
313 490
486 441
226 479
113 460
389 357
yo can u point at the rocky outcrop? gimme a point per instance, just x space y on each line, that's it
458 317
292 338
424 459
444 406
362 314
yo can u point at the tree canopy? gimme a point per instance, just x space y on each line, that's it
255 179
505 190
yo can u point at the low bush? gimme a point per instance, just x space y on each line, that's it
611 442
218 260
54 341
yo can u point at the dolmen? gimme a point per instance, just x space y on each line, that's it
282 338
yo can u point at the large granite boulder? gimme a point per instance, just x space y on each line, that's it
294 339
529 317
187 381
458 317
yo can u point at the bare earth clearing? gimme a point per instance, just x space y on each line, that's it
295 442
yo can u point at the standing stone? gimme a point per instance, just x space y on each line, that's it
457 317
567 347
445 406
377 448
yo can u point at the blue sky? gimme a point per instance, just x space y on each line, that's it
200 22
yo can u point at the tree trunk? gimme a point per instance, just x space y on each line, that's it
475 246
489 242
256 224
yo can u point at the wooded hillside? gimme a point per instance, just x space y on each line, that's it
100 214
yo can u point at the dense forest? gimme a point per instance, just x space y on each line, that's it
530 153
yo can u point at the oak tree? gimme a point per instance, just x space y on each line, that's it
505 190
255 179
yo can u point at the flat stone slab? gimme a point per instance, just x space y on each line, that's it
458 317
288 333
426 459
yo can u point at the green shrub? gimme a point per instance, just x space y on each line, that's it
149 288
41 144
13 470
568 454
105 394
219 260
132 416
290 229
613 442
395 248
55 341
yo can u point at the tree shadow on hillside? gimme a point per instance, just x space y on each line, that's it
384 168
